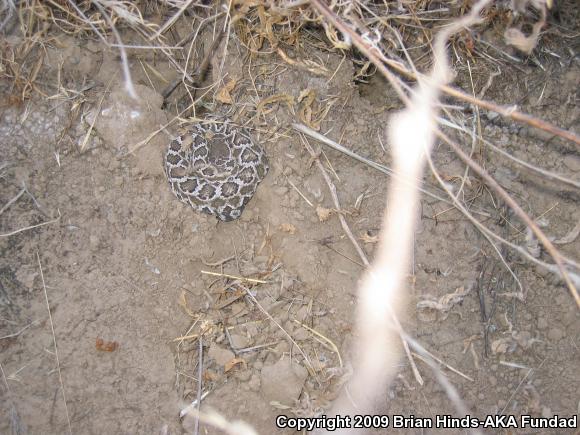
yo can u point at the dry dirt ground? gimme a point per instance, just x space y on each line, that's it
124 265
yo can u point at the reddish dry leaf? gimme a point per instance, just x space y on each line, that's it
106 346
234 362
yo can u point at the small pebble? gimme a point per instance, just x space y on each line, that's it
572 162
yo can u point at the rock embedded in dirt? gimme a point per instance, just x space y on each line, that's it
123 122
283 381
555 334
239 341
572 162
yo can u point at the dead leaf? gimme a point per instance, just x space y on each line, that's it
234 362
502 345
106 346
285 98
307 93
224 94
306 98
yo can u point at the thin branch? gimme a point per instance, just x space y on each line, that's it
20 230
359 250
550 248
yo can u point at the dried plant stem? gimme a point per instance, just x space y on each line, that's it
20 230
336 202
550 248
381 295
269 316
13 200
241 278
129 87
55 347
171 21
380 61
359 250
199 383
543 172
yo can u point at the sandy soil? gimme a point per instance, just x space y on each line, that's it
124 265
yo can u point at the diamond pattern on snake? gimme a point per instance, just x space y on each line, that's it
215 168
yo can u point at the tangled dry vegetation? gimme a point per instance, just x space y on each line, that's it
394 39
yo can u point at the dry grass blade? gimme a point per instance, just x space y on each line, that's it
13 200
55 346
269 316
324 338
30 227
544 173
241 278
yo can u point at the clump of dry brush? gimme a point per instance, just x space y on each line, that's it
401 30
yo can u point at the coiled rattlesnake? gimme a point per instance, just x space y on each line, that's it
215 168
